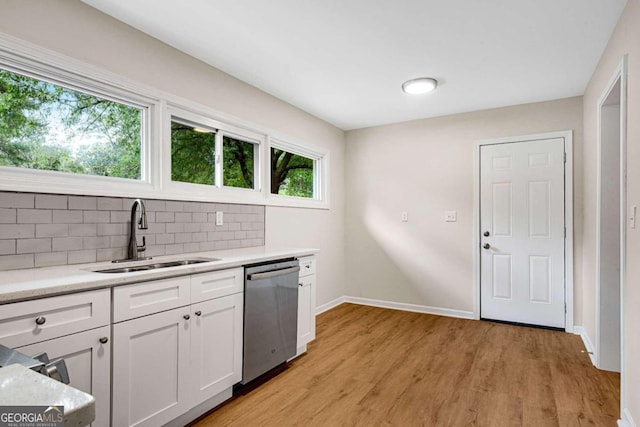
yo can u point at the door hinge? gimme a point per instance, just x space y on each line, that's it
565 308
565 232
565 157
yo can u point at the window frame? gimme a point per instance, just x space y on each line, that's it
50 69
157 105
320 159
217 189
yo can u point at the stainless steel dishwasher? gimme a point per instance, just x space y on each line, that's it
270 316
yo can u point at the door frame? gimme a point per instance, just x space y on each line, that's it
568 217
620 74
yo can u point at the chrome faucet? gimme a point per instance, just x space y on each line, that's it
133 249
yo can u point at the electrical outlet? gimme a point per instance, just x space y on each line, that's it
219 218
450 216
404 216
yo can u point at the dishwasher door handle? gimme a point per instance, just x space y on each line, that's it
274 273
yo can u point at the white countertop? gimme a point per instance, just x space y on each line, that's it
17 285
24 387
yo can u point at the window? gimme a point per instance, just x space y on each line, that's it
72 128
291 174
238 162
192 153
299 173
47 126
204 151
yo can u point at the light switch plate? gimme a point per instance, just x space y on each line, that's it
404 216
219 218
450 216
632 217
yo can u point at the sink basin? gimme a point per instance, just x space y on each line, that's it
157 265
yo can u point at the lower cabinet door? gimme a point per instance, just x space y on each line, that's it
88 361
216 346
151 368
306 310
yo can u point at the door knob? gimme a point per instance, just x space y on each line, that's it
486 234
486 246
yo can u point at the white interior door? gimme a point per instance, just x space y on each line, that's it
522 232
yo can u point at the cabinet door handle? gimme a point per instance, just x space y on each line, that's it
487 246
300 284
40 320
198 313
104 340
186 317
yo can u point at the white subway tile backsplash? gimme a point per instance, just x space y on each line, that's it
7 247
16 262
38 230
93 217
165 216
93 242
51 230
175 227
34 216
51 201
165 239
83 229
85 203
17 231
66 243
111 229
17 200
67 217
81 257
51 258
174 249
8 216
121 216
32 246
110 204
175 206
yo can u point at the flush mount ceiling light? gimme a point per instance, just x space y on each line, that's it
419 86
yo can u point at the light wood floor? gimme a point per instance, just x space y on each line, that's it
372 367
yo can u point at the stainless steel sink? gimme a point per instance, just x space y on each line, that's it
157 265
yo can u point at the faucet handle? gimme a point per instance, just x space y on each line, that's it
144 245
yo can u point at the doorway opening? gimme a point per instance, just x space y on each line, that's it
610 224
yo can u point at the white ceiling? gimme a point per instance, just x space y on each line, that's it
344 60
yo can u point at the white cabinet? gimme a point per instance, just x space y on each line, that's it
150 368
167 363
88 359
306 303
72 327
216 346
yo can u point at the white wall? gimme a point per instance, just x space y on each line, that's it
425 167
625 40
81 32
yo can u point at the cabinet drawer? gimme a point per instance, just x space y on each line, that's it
216 284
141 299
307 266
29 322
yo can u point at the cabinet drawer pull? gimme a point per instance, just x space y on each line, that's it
40 320
104 340
186 317
198 313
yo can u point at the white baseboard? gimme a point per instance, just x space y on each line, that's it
410 307
579 330
626 420
328 306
